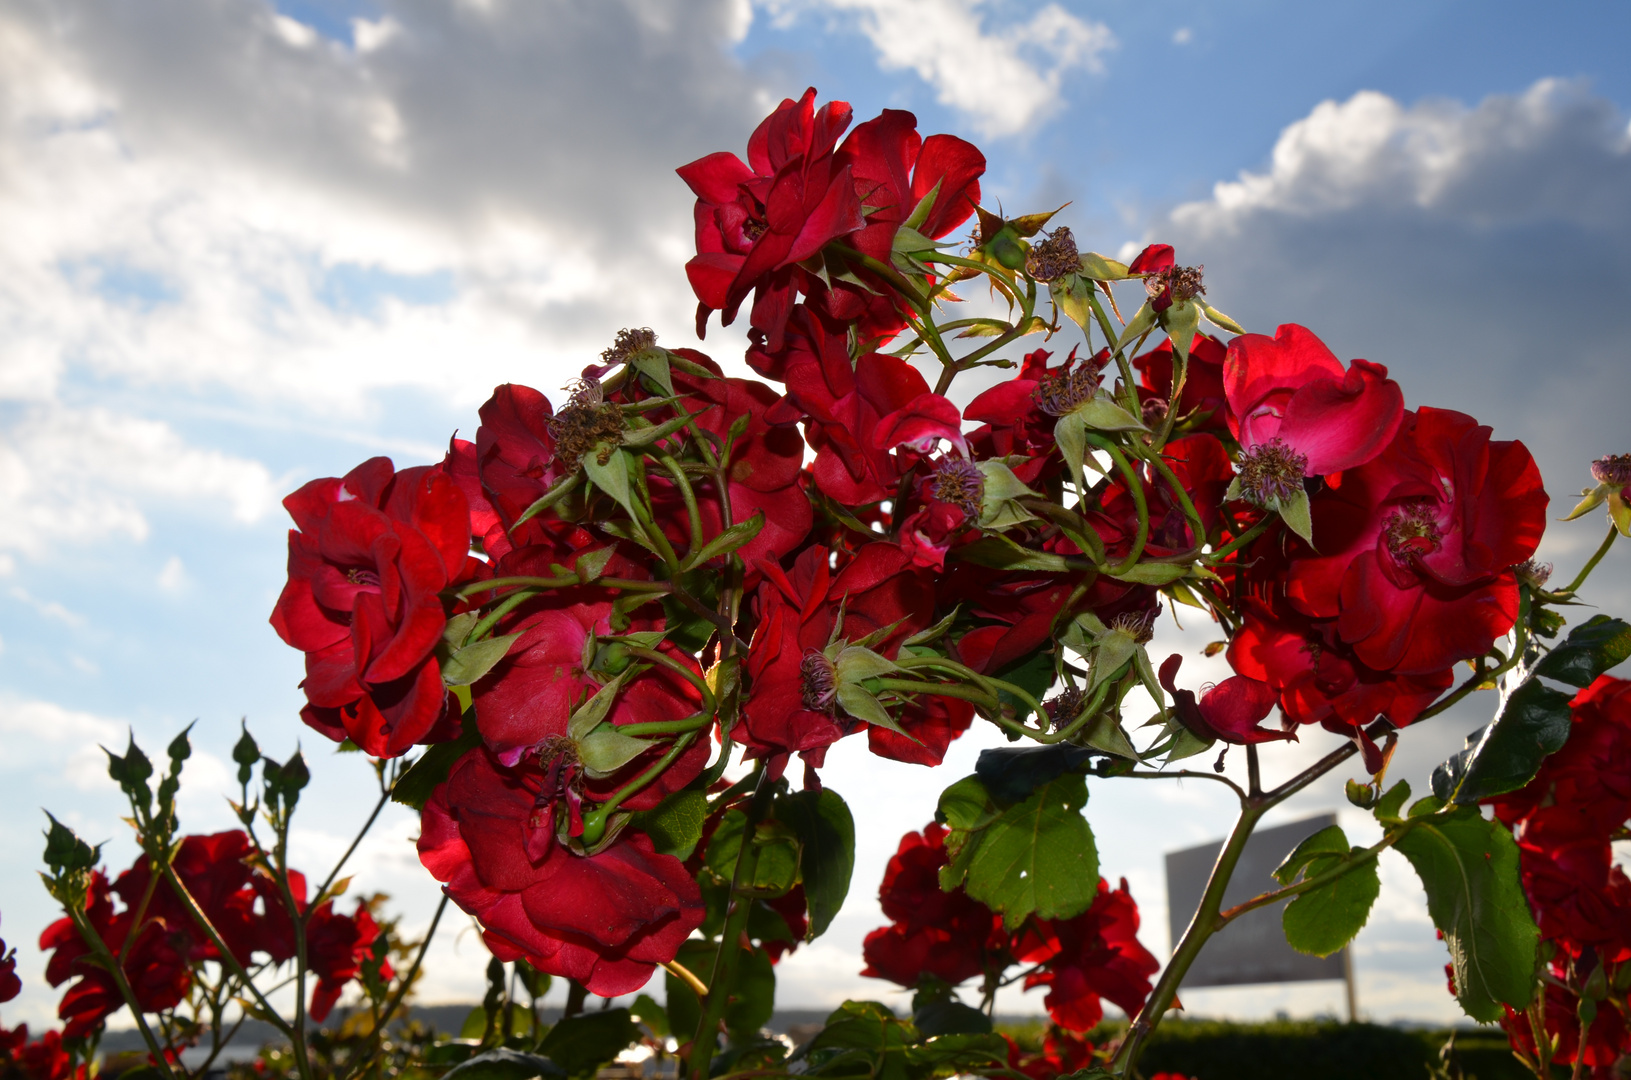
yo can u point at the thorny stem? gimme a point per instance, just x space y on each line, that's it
89 935
723 977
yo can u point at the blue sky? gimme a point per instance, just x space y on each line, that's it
245 246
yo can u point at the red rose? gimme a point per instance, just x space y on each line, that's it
1094 955
946 934
843 403
1290 387
214 870
605 920
1229 711
155 968
44 1058
756 222
370 555
1318 678
10 984
1416 547
787 708
336 948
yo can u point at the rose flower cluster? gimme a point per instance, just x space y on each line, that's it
952 937
162 944
1565 821
585 611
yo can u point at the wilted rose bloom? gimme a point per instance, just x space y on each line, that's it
368 560
1416 548
1230 711
10 984
605 920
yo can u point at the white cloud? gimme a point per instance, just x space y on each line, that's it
42 734
51 609
173 576
81 476
1005 79
222 204
1475 250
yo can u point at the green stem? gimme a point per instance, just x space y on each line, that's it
657 769
384 797
1135 488
302 1054
1201 928
402 988
1242 540
690 497
89 935
1591 564
723 977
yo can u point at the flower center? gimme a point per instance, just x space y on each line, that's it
358 576
1138 625
819 682
1614 469
1059 393
960 483
586 420
1412 532
1054 257
1271 472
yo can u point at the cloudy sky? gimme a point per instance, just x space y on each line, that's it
243 244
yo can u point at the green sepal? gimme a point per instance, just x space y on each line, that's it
604 750
586 717
1099 268
1180 321
464 666
1219 319
999 505
612 477
1142 322
727 541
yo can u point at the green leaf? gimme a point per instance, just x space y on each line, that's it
1180 321
413 788
1534 723
1071 295
1033 674
503 1063
1099 268
959 1052
675 825
1322 920
1101 413
999 552
826 833
1330 840
612 477
870 1035
652 1015
1070 435
950 1018
1010 774
582 1044
605 750
776 856
727 541
470 663
966 805
1392 801
1591 648
1035 857
752 1000
1469 867
998 508
587 717
1151 573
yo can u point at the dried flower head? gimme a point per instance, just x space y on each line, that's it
587 420
1062 710
959 482
628 344
1053 258
1175 285
1534 573
1059 393
818 682
1271 472
1138 625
